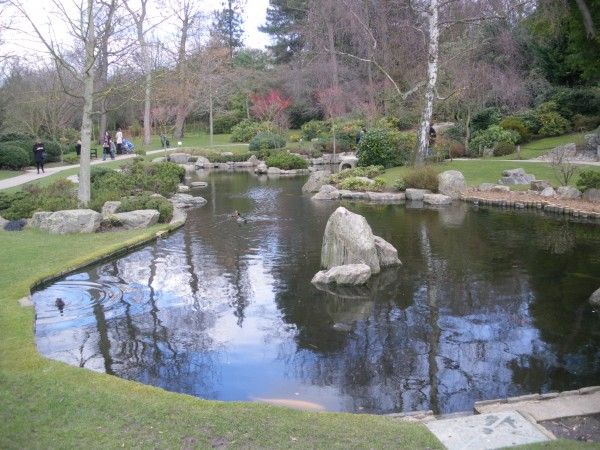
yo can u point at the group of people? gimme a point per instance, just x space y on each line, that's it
108 148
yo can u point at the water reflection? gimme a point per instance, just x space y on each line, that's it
487 304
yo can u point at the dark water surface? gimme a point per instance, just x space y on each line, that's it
487 304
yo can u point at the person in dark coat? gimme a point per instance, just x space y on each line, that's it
78 147
39 155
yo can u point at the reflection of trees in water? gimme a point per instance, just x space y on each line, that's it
561 239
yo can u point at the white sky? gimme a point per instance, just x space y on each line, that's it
254 12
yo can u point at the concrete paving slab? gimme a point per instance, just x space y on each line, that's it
486 431
551 408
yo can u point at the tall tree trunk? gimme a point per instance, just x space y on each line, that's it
432 72
335 79
84 192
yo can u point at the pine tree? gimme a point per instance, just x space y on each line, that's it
227 25
286 20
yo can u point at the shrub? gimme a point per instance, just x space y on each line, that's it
488 138
400 184
98 172
368 171
264 141
484 119
588 179
325 145
385 147
422 177
20 205
224 123
503 148
514 123
455 132
309 151
314 129
553 124
13 157
585 123
146 200
17 136
286 161
71 158
53 149
57 196
530 120
247 129
357 184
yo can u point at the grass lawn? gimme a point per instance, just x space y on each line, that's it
540 147
47 404
477 171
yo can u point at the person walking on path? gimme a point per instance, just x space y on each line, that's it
119 139
39 155
107 147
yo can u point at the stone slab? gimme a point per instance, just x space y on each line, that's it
551 408
486 431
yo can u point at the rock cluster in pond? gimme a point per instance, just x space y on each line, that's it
89 221
350 253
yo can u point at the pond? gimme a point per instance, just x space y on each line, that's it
488 303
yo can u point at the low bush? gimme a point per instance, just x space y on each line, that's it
247 129
286 161
325 145
400 184
504 148
309 151
455 132
358 184
514 123
314 129
265 141
71 158
17 136
489 137
13 157
385 147
146 200
585 123
421 177
223 124
368 171
588 179
57 196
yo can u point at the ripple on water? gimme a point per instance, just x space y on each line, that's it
84 300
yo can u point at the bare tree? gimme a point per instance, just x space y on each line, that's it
81 26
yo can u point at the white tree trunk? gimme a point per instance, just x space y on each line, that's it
85 191
432 72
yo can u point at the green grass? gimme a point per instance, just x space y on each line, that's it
478 171
48 404
540 147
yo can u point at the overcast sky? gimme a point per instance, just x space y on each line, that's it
255 14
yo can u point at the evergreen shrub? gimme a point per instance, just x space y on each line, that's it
13 157
286 161
588 179
146 200
247 129
422 177
264 141
503 148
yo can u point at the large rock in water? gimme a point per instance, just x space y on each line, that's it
316 181
349 274
451 183
69 221
348 239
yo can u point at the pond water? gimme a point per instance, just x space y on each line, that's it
488 303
